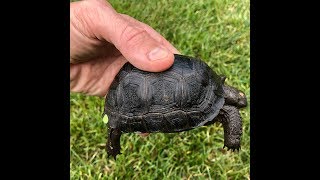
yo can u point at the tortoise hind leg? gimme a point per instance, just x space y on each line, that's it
231 121
113 144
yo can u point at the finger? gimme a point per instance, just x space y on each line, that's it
136 44
94 77
154 34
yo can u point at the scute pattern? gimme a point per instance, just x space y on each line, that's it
131 93
195 91
164 94
186 96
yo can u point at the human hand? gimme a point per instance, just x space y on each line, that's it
102 41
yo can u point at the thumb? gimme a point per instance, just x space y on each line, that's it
137 46
142 51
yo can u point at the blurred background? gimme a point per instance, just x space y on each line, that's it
216 31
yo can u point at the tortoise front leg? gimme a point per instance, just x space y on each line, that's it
231 121
113 144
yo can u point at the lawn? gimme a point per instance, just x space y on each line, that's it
218 32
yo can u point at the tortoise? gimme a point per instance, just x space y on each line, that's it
186 96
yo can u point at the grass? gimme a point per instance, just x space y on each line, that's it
217 32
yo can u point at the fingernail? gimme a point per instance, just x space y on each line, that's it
157 54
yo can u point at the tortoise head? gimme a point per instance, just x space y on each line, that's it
234 96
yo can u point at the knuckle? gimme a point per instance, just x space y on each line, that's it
132 35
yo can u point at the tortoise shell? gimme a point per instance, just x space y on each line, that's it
186 96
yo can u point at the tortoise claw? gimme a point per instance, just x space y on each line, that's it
232 148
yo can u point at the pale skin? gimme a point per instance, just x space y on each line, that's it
103 40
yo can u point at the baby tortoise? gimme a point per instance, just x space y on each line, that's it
186 96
